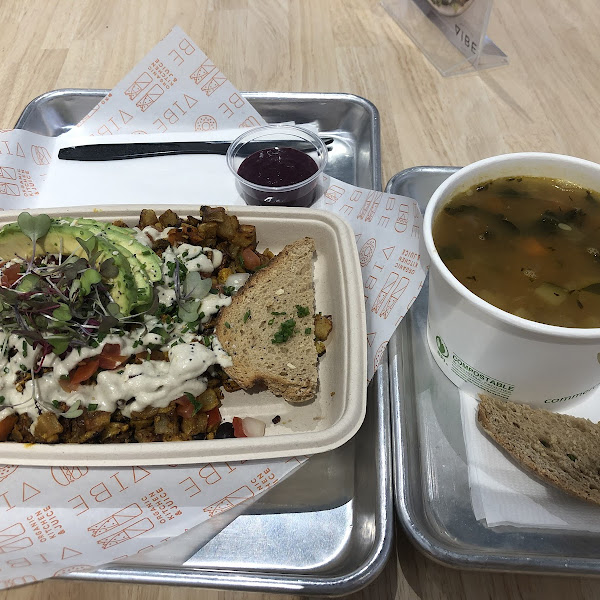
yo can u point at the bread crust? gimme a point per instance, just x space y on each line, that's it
256 360
562 450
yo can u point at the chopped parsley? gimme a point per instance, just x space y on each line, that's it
247 315
278 314
307 331
55 403
227 325
170 268
92 407
302 311
272 321
2 399
285 332
229 290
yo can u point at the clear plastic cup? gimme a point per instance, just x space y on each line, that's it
273 143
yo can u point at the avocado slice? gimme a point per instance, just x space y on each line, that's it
99 230
15 244
63 238
126 237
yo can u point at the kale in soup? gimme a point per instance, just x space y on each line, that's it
528 245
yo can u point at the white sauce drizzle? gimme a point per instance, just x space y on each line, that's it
133 387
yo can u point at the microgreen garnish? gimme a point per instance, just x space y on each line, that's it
188 311
34 227
59 344
62 313
74 411
88 278
195 286
60 302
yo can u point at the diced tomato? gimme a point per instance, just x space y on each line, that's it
112 362
238 428
111 349
10 275
250 258
185 408
214 418
6 426
110 358
66 385
84 370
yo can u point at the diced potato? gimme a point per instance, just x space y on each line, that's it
552 294
148 218
113 430
323 327
96 420
208 233
228 228
169 219
195 424
166 424
47 428
210 214
210 399
245 236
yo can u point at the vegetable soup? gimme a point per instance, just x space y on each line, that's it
527 245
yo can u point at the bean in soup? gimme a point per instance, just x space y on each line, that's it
527 245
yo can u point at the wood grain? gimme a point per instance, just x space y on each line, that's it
548 99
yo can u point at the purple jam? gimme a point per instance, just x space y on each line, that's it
277 167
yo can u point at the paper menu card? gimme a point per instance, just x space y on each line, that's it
54 521
177 91
175 87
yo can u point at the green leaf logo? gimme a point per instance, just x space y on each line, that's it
442 348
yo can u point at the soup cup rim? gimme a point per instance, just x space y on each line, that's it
453 183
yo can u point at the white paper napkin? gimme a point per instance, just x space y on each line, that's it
503 494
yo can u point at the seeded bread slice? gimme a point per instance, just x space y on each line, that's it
247 327
560 449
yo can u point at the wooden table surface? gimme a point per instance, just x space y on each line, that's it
547 99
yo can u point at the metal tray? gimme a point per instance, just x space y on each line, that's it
327 529
431 486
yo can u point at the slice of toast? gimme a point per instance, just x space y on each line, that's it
560 449
261 309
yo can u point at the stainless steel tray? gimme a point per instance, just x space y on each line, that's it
431 486
327 529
